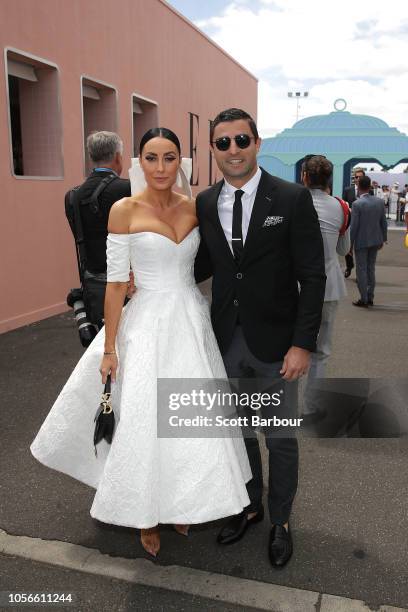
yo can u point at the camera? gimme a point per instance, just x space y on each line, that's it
87 331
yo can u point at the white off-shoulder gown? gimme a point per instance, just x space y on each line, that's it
164 332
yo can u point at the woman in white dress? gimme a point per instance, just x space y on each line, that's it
164 331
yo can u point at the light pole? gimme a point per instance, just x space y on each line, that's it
298 95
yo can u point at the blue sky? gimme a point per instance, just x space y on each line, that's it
194 10
357 51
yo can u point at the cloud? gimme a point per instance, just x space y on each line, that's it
325 48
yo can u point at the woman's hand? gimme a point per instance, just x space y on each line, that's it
109 365
131 289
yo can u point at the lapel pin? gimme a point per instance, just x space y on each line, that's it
268 198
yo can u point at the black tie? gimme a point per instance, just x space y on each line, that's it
237 240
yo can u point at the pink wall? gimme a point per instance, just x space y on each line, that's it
135 46
41 125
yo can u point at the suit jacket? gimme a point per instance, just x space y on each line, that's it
283 247
350 194
368 222
95 226
331 218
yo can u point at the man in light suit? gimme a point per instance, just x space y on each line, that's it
260 237
368 233
317 172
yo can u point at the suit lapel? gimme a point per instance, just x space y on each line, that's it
212 205
264 201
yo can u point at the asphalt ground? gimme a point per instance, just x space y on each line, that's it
91 593
349 521
373 342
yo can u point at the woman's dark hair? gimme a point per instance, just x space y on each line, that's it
160 132
319 171
233 114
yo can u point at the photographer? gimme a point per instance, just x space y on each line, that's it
87 209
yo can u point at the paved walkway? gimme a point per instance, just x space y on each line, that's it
221 591
349 522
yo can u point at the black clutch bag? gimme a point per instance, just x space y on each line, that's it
104 417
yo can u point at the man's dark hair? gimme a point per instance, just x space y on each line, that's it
233 114
319 171
162 133
364 183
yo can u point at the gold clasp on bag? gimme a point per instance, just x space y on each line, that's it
107 408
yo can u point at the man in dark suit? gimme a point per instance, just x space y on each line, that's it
351 194
260 237
95 197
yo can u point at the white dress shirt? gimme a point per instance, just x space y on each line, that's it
226 205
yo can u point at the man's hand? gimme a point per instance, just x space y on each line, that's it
131 289
295 363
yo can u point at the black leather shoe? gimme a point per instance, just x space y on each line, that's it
280 546
361 304
370 302
347 272
237 526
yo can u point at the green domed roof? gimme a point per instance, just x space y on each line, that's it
338 132
344 137
342 120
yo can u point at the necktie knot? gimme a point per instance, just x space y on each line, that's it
238 195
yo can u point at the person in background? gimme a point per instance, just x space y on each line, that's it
376 188
105 150
393 201
384 194
93 201
317 172
350 195
368 233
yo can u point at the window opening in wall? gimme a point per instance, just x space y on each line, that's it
34 116
99 107
144 117
15 120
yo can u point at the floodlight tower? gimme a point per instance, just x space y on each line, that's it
297 95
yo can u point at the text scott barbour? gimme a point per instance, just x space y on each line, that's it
241 421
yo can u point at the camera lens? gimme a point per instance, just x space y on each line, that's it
86 330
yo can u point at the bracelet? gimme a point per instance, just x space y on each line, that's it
110 353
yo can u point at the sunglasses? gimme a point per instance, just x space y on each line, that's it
241 140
